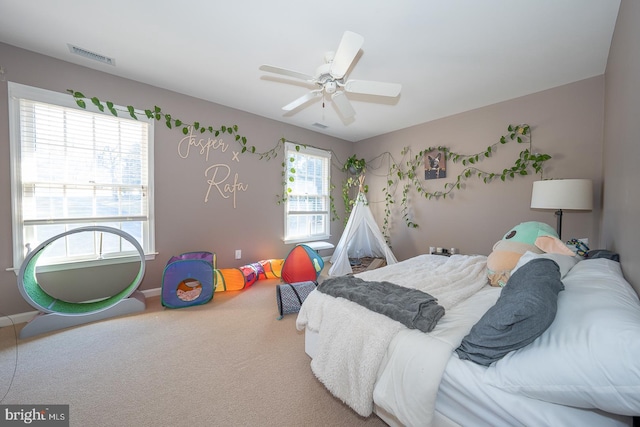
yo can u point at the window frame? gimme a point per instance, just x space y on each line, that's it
17 92
300 149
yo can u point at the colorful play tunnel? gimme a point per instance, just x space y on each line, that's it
235 279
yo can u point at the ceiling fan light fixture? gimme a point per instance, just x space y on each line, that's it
330 87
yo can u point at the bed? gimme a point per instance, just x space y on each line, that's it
581 368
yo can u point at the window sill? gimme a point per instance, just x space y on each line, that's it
307 239
88 263
318 245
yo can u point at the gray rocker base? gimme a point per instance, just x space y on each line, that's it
47 322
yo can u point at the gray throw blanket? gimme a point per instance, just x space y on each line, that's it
413 308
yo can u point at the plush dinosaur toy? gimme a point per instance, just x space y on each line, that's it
533 236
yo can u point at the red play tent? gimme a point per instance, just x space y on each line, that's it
301 265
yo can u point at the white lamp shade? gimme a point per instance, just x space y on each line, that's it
574 194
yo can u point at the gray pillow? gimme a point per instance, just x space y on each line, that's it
603 253
526 307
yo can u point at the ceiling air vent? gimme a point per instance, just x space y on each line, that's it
320 125
91 55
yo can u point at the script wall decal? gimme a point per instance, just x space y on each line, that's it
221 178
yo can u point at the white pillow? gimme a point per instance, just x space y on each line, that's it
565 262
590 355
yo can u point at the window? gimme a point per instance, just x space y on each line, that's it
308 203
73 167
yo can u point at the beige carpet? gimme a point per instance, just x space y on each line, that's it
226 363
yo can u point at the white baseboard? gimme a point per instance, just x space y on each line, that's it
152 292
14 319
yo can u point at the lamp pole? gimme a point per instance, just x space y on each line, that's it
559 223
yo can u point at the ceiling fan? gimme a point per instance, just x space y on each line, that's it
331 80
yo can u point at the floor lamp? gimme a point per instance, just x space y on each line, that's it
559 194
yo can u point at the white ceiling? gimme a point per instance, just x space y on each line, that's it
449 55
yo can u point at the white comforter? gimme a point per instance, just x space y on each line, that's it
353 341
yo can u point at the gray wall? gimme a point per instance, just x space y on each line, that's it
184 222
621 212
566 123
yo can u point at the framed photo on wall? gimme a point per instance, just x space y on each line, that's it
435 165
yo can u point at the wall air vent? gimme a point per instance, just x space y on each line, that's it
91 55
320 125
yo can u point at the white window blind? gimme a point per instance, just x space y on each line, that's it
307 207
72 168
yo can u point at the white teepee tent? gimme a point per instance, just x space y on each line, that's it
361 238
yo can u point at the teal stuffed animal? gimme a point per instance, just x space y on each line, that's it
533 236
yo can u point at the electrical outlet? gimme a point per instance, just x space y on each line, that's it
238 253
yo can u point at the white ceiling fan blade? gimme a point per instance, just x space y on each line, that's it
343 105
285 72
346 53
302 100
367 87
